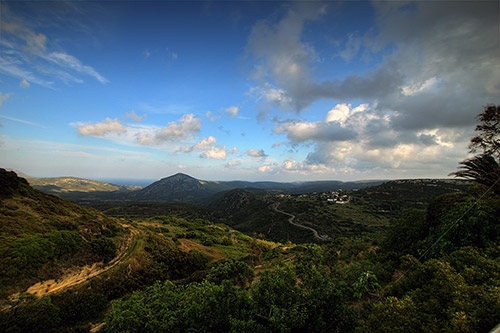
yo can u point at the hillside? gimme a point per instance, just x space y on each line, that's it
393 196
43 236
179 187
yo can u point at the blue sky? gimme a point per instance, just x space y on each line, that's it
258 90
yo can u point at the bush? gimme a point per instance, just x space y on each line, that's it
237 272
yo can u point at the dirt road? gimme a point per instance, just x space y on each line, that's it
77 275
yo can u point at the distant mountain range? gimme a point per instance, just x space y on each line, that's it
183 188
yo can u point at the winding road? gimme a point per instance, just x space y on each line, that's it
292 217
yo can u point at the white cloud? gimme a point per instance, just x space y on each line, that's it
204 144
22 121
256 153
291 165
301 131
232 164
234 150
271 96
136 135
232 111
208 148
416 88
432 70
265 169
31 56
24 84
68 61
107 126
215 152
342 112
186 127
135 116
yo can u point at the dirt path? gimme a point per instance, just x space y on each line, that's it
292 217
77 275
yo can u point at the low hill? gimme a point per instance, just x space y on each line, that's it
59 185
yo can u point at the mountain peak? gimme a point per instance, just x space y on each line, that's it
172 187
179 175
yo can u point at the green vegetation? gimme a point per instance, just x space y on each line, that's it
42 235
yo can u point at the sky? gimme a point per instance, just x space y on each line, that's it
244 90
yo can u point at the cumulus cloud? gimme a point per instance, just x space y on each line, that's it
232 111
256 153
135 116
215 152
204 144
292 165
107 126
186 127
377 147
208 148
301 131
433 67
437 43
138 134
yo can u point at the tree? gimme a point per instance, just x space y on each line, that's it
489 138
484 168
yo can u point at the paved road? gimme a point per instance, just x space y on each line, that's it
292 217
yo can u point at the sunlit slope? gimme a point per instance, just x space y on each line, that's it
73 184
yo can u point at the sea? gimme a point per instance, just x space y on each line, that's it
128 181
